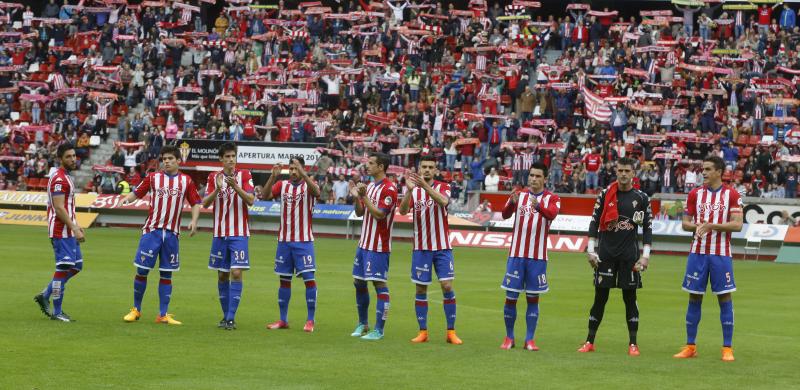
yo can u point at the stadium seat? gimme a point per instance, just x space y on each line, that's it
742 140
746 152
755 140
32 183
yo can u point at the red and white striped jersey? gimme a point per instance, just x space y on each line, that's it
532 224
102 110
58 81
230 210
60 184
297 208
167 194
376 234
186 15
150 93
523 161
431 229
708 206
480 62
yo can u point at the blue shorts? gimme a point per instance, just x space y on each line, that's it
161 244
229 252
701 268
295 258
424 262
370 265
524 275
67 251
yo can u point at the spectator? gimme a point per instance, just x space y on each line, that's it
492 180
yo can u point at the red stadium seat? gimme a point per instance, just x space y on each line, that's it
32 183
746 152
743 139
755 140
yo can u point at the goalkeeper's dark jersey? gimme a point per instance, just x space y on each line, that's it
621 238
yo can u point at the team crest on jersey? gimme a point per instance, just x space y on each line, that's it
387 201
57 188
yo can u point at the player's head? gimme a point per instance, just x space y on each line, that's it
626 170
227 155
169 159
713 167
537 176
377 164
428 168
66 155
294 175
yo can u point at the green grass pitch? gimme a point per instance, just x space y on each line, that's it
100 351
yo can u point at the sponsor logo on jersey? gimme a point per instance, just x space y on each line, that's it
719 206
290 199
419 205
162 192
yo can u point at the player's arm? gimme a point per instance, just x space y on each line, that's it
594 226
194 199
268 192
553 207
313 188
141 190
405 204
438 197
511 205
212 189
246 194
735 225
368 206
647 235
687 222
63 216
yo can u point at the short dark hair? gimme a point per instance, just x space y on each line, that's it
382 159
626 161
299 159
540 165
169 149
63 149
719 163
226 147
428 158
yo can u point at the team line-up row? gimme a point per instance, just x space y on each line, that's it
713 212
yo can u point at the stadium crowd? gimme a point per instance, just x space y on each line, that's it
488 89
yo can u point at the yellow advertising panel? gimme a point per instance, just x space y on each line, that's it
38 217
28 198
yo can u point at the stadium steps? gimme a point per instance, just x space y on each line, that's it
99 156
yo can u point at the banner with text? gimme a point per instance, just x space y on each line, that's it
39 218
28 198
252 155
